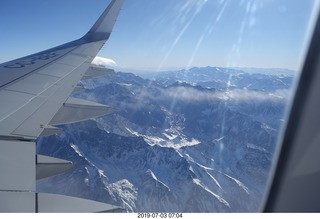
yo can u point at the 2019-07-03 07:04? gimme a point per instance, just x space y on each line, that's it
159 215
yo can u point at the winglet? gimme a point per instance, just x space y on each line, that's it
102 29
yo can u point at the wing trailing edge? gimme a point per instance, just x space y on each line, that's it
76 110
49 166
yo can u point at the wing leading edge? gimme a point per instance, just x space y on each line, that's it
34 92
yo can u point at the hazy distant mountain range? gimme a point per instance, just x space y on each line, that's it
196 140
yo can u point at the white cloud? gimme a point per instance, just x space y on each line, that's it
192 94
104 61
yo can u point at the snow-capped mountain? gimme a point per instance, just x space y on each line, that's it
198 140
227 78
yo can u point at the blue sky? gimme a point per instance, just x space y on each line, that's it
161 34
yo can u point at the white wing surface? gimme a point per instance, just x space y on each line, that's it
34 88
34 96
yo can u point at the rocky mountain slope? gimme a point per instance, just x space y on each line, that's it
197 140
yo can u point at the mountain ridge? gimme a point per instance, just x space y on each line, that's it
176 147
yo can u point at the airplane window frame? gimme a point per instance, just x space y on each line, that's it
276 200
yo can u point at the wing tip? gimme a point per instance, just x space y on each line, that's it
102 28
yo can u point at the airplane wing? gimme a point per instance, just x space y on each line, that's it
35 87
34 96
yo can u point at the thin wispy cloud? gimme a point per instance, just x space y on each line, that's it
192 94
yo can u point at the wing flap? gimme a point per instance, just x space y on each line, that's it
75 110
78 89
24 202
50 203
50 130
50 166
96 71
